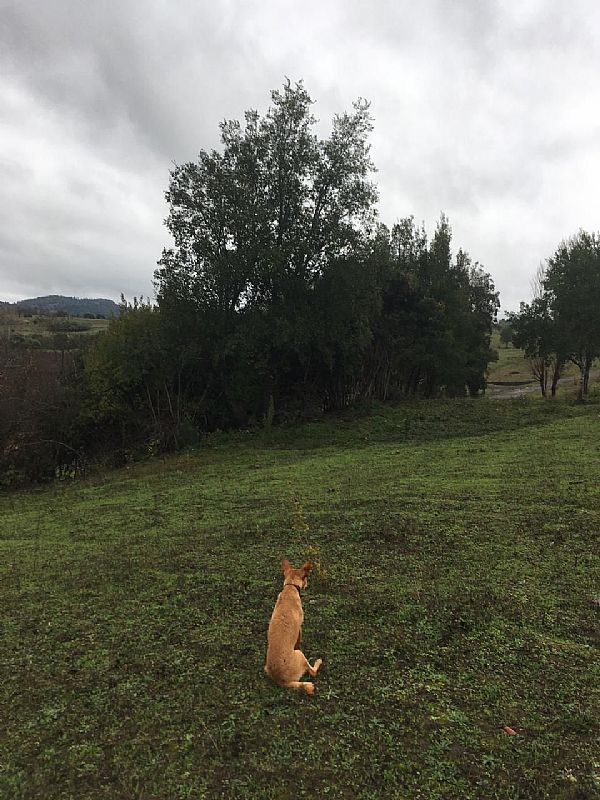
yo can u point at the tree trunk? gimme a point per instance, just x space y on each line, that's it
584 375
539 369
556 373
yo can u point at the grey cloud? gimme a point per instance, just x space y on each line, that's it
168 71
487 110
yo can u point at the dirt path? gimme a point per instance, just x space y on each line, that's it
507 391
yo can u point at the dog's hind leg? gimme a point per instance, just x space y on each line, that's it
303 664
313 670
308 687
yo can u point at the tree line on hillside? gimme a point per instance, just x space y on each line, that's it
562 321
59 305
282 296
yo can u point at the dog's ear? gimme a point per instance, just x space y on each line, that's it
306 567
285 565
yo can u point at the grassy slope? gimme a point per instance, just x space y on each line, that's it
460 555
513 367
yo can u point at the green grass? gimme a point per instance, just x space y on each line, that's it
460 560
37 326
513 368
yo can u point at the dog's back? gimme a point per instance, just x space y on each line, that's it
284 634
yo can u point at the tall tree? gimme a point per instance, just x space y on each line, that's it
572 284
533 333
252 222
434 330
256 224
538 333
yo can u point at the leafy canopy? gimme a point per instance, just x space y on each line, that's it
258 221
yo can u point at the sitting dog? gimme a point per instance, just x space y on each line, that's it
286 663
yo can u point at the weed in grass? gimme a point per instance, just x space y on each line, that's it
308 545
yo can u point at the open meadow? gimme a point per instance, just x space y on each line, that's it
456 593
511 366
511 375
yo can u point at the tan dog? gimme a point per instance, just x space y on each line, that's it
286 663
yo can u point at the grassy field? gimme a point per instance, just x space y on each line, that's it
513 368
457 593
40 327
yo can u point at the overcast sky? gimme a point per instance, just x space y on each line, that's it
488 111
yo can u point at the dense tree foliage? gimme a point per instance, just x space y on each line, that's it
283 296
572 285
254 224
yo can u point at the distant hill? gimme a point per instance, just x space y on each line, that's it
71 305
